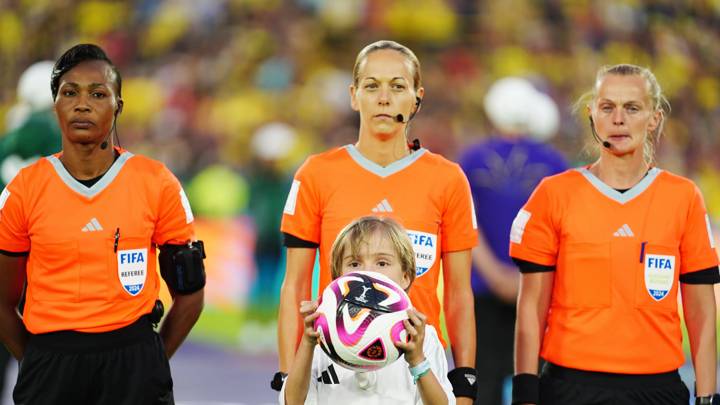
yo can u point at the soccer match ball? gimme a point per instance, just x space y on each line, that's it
361 317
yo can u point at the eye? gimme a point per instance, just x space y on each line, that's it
371 86
398 86
68 93
98 94
606 108
383 263
353 264
633 109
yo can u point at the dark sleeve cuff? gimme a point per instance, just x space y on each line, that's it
14 254
707 276
530 267
293 241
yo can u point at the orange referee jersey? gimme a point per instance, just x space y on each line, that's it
618 259
91 264
425 192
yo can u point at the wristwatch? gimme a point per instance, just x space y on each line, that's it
708 400
278 380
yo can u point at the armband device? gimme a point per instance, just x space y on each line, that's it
182 268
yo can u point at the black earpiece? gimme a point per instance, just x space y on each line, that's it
118 110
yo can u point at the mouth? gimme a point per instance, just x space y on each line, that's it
384 116
619 137
81 124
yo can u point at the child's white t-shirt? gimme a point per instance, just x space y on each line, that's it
391 385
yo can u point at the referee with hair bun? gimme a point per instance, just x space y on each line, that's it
84 225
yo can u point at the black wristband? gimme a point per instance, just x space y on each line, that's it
525 389
708 400
463 381
278 380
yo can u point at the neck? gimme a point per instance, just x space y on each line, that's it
382 149
86 161
619 172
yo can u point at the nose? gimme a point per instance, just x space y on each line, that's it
384 96
81 103
618 116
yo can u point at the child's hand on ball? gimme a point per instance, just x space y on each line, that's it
415 328
308 312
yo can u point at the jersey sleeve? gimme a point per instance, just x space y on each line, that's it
435 354
175 218
459 225
14 235
302 212
697 246
534 232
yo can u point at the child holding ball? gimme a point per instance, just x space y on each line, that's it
379 245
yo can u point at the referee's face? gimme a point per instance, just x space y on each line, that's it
86 102
384 90
623 113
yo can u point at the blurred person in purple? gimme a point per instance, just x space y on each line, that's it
503 170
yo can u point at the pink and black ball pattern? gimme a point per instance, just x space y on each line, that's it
361 315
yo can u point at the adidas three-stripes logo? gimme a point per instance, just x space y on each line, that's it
624 232
92 226
329 376
383 206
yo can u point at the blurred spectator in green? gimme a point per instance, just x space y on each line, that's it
269 183
33 130
33 133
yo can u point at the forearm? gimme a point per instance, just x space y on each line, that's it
298 381
503 282
431 392
460 321
12 332
181 318
532 308
501 278
295 288
528 339
700 319
289 326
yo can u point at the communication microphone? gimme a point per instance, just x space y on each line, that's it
104 143
400 118
605 144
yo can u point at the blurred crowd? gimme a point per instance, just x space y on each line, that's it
201 78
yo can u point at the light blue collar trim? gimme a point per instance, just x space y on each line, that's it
388 170
613 194
96 188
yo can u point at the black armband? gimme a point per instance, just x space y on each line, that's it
292 241
463 381
706 276
182 268
530 267
14 254
525 389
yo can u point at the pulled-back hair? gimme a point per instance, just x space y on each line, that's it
75 56
392 45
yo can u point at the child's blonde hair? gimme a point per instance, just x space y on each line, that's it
360 231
